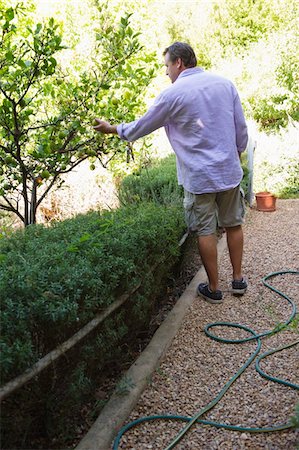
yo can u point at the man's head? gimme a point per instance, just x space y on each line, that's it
178 57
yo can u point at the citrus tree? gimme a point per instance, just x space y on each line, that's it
47 111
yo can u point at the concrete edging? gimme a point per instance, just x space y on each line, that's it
116 411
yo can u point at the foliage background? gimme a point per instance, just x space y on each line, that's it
252 42
48 107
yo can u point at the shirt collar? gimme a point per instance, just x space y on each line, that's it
190 71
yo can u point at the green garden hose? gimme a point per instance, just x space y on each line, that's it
254 336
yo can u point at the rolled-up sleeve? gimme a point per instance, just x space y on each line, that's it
156 117
240 124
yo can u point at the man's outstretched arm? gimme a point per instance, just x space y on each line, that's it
156 117
105 127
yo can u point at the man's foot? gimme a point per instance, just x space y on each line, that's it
239 287
210 296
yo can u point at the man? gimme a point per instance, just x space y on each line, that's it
204 121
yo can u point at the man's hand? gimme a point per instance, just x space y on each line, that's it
104 127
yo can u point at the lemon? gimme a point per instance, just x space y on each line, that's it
45 174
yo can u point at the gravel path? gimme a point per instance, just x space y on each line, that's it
195 367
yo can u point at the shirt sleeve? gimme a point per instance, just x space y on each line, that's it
156 117
240 124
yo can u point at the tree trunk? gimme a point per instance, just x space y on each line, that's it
26 203
33 204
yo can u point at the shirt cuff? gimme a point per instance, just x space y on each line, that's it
119 129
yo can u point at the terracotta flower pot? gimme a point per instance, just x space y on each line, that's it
265 201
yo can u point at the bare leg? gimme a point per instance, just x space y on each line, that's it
234 236
208 252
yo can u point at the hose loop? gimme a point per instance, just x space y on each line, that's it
254 356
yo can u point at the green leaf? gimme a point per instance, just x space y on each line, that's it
9 56
85 237
50 70
22 64
72 249
38 28
9 14
53 61
2 257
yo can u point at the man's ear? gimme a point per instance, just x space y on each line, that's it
179 63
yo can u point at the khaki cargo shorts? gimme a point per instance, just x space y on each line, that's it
205 212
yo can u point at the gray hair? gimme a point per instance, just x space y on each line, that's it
181 50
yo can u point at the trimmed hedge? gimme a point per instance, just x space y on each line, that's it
54 280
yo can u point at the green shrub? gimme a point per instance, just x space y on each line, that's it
276 163
272 88
157 183
274 111
53 281
281 179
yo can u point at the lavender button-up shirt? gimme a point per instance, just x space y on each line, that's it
204 121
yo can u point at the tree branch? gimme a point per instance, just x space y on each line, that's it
11 208
81 144
47 190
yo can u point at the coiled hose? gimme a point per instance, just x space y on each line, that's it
254 336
